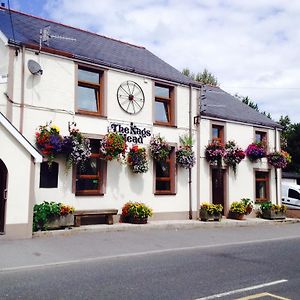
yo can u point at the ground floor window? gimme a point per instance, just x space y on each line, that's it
90 179
261 186
49 175
165 175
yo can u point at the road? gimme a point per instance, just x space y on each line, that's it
166 264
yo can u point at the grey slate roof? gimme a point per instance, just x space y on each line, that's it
90 47
217 103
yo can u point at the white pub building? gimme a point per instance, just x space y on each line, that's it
91 81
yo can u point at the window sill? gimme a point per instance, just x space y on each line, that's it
164 124
89 194
91 114
164 193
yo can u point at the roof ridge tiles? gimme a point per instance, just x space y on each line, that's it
68 26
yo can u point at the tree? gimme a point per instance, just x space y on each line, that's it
293 146
252 104
285 122
205 77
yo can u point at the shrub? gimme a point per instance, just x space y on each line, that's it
46 210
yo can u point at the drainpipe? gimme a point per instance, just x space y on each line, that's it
190 170
276 170
21 124
199 99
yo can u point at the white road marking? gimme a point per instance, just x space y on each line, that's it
150 252
254 287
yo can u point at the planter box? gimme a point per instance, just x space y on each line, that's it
133 220
205 216
272 215
236 216
57 222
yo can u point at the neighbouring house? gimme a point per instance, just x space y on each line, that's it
291 178
104 85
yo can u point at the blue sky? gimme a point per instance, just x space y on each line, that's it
252 47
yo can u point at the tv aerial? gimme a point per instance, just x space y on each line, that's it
45 36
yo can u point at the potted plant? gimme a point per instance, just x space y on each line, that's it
49 141
185 156
248 205
76 148
137 159
256 151
52 215
272 211
159 148
136 213
214 153
112 146
237 210
233 155
278 159
210 212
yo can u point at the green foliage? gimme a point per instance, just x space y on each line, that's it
246 100
44 211
274 207
135 210
238 207
205 77
212 209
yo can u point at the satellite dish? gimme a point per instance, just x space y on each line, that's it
34 67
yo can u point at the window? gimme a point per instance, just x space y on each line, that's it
262 186
164 105
260 136
165 175
293 194
48 175
218 133
89 91
90 179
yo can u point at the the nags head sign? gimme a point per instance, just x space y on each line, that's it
132 133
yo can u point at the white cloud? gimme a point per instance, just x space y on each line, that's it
251 46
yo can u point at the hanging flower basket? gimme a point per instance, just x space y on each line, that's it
159 148
214 152
76 147
185 156
256 151
233 155
278 159
137 159
49 141
112 146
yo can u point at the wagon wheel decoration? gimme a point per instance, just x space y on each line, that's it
130 97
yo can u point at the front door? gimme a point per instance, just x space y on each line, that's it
218 187
3 194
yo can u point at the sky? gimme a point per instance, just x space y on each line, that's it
251 46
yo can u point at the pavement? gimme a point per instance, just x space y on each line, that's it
94 242
169 224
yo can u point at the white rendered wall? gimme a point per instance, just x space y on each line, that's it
3 73
56 89
18 162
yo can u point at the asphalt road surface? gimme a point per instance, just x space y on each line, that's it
215 263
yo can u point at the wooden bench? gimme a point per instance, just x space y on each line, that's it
107 213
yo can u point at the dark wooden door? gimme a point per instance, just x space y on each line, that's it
3 194
218 187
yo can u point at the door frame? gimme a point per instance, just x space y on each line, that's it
3 195
225 188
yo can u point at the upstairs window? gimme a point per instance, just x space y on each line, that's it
218 133
89 91
260 137
165 175
262 186
164 105
90 180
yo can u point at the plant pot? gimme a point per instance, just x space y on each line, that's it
205 216
57 222
235 215
136 220
272 215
